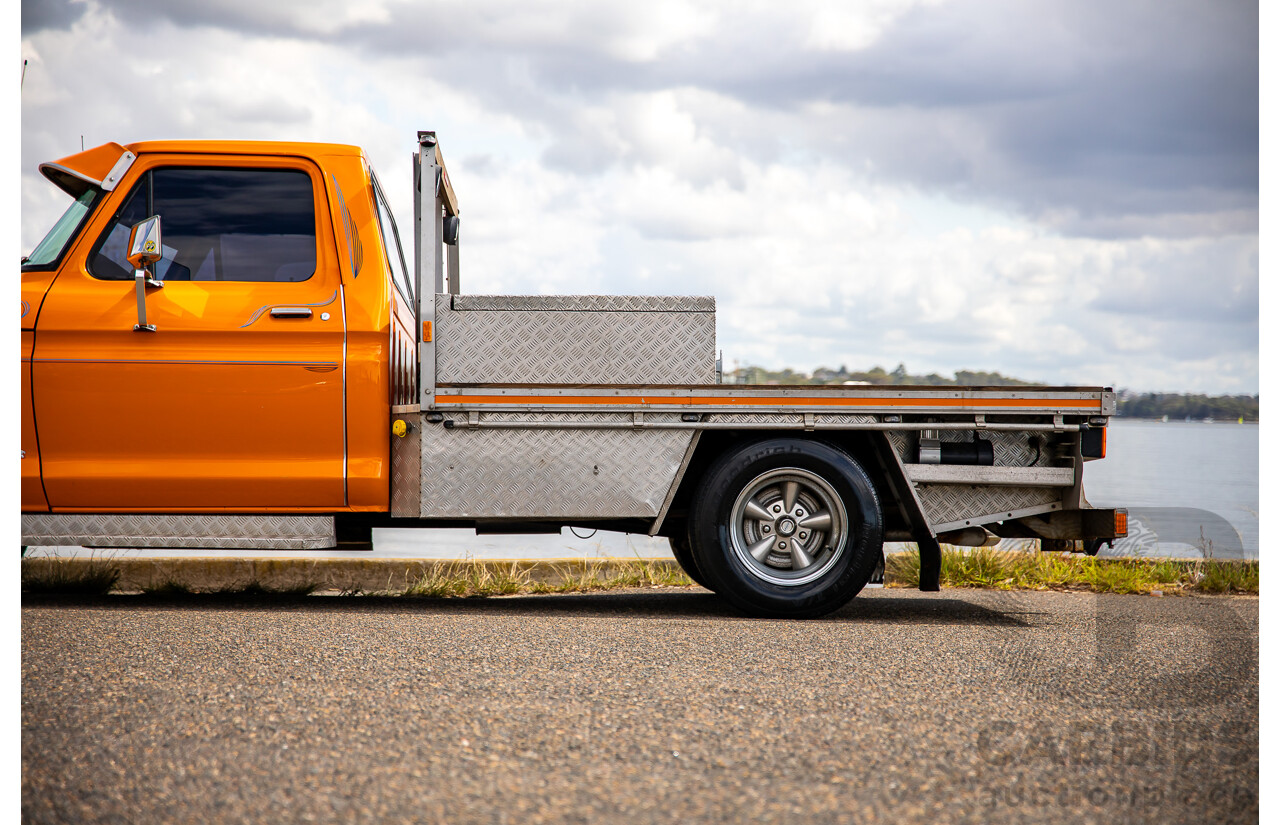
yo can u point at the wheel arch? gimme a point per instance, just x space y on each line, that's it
869 448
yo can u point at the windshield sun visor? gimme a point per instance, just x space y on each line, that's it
102 168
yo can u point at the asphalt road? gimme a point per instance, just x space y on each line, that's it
641 706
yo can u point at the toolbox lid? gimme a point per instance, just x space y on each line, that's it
585 303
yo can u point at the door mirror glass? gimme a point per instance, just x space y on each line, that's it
144 242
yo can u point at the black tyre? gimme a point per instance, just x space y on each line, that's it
681 549
786 528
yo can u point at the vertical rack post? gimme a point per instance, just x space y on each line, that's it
435 219
428 215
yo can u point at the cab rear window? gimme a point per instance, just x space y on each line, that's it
218 224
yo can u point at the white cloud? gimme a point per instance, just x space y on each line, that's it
853 26
577 176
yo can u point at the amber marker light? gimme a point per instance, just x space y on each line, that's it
1122 523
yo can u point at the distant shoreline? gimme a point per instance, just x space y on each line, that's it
1253 421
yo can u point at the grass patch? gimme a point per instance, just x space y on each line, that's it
475 580
984 567
463 579
600 575
88 577
1229 577
961 568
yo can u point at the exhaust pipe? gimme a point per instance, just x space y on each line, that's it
969 537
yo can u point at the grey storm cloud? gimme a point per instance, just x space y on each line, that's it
1090 113
1097 118
38 15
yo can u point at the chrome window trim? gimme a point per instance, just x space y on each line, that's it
146 175
379 195
346 493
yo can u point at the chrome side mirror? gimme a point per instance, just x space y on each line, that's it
144 243
145 248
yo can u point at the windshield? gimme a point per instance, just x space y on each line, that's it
49 250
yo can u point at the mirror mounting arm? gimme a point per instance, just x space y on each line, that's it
141 281
145 249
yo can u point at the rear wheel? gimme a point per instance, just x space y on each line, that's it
786 527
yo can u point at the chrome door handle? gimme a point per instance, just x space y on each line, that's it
290 312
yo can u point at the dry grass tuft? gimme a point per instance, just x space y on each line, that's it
984 567
87 577
471 579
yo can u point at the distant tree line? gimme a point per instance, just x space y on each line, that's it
875 375
1181 406
1178 406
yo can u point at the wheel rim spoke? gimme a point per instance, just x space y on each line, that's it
790 491
820 520
761 548
755 511
771 515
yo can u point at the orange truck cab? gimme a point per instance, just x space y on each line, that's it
279 329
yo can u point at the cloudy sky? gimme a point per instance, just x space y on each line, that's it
1060 191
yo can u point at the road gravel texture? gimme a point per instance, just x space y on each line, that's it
640 706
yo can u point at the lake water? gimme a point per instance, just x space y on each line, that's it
1170 475
1188 486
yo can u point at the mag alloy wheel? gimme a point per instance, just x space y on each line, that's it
788 527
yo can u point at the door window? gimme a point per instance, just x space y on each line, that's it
218 224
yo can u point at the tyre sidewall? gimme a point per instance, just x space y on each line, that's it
682 549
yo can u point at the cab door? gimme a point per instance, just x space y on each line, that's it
235 401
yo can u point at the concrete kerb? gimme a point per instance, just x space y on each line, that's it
341 575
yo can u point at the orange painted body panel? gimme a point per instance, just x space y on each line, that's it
228 445
34 287
225 407
94 163
368 312
33 499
